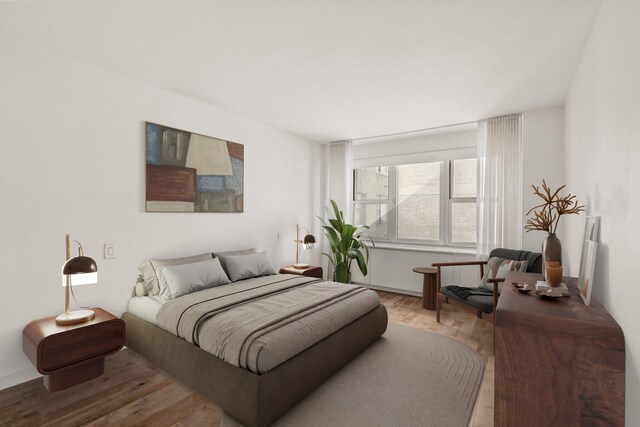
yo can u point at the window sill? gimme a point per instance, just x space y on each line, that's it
424 248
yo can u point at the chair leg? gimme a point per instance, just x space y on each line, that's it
438 308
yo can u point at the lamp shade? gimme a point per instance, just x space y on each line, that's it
309 241
81 269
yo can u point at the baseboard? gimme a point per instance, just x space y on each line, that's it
18 377
388 289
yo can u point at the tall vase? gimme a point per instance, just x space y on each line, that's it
551 251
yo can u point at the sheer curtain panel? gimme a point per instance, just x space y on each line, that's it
338 185
499 202
339 175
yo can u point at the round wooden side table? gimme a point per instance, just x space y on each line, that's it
429 286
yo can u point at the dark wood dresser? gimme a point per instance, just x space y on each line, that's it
557 363
71 354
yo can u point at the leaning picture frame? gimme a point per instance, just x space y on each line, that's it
591 227
585 280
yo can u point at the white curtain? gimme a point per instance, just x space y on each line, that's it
338 161
339 175
499 202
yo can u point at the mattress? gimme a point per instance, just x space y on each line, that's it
259 323
146 308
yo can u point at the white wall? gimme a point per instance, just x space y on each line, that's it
72 161
543 155
602 157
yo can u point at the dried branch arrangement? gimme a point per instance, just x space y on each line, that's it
547 215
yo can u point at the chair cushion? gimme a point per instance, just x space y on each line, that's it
498 268
534 259
483 303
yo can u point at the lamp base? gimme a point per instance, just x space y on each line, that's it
74 317
300 266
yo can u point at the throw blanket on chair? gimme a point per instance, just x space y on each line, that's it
464 293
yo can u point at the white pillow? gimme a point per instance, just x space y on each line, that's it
246 266
177 280
149 269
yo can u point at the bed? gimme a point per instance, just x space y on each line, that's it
256 347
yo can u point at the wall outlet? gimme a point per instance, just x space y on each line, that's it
109 250
279 237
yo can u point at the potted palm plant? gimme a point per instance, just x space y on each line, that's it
347 244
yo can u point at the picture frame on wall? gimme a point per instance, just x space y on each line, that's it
585 279
591 228
190 172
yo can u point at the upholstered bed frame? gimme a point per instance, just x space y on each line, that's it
255 400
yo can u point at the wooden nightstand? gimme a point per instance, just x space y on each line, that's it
311 271
69 355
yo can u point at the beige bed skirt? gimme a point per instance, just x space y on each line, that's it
255 400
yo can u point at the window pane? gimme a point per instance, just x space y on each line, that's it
371 183
464 175
463 222
374 215
419 201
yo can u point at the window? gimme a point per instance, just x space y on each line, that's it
372 192
425 203
462 201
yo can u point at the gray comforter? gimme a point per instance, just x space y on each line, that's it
259 323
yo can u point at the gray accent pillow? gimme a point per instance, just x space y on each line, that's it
149 269
178 280
240 267
498 268
223 255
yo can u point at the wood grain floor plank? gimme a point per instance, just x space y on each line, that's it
49 405
133 392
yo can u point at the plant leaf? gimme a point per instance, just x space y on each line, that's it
336 211
361 263
330 259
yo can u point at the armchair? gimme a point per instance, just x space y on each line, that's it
482 302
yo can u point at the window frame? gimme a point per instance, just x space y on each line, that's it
452 200
446 201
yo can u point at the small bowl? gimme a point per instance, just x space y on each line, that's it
549 294
518 285
525 289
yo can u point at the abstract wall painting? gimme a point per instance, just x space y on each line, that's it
189 172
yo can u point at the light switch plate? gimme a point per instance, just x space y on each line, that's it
109 250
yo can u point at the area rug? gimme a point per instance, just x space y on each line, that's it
409 377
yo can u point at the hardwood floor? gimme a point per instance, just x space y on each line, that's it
133 392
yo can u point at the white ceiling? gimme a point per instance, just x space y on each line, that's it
327 69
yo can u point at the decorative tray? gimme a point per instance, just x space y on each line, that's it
552 294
